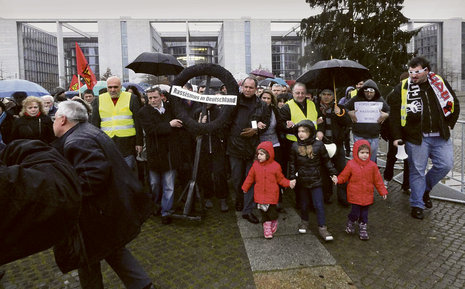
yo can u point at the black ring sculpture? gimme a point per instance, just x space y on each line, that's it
211 70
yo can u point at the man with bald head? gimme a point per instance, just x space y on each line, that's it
114 113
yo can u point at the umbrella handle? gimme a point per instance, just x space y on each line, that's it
335 99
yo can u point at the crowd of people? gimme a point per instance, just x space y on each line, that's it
276 137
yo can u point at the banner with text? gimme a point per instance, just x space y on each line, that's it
213 99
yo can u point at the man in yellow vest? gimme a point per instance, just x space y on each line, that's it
424 109
114 113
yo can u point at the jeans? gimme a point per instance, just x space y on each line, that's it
317 198
374 143
441 153
163 182
131 162
125 266
359 213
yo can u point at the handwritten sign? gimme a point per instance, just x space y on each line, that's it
367 111
213 99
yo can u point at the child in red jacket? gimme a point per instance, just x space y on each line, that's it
267 175
361 174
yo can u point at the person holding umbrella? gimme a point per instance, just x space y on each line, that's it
335 120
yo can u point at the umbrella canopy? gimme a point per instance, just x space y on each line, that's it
137 85
214 83
10 86
334 73
156 63
278 80
99 85
266 82
261 72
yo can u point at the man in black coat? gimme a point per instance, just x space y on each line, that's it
114 204
250 117
163 149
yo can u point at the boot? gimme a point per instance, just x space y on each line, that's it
363 232
267 230
325 234
350 228
224 205
274 226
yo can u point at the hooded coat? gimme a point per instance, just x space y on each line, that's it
367 130
307 170
267 177
361 176
40 199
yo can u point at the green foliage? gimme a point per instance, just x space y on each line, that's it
365 31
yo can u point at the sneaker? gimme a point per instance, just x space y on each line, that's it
350 228
224 205
274 226
325 234
363 232
417 213
427 200
208 204
303 226
267 230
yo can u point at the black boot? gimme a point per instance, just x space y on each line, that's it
427 200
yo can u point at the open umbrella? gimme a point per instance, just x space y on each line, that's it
99 85
156 63
10 86
266 82
261 72
334 73
278 81
139 87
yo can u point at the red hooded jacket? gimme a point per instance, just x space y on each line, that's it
267 177
361 176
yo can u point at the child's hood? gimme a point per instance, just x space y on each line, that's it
268 146
357 144
308 124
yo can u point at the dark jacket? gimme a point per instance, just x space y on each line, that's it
40 199
33 127
114 204
6 127
244 113
367 130
338 122
162 141
305 169
126 145
413 130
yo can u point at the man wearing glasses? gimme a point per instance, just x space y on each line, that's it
368 110
114 113
424 110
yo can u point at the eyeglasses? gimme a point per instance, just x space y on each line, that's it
417 71
113 87
369 89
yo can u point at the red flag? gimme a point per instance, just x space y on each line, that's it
74 83
83 68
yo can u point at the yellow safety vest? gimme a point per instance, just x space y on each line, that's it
297 115
403 104
116 120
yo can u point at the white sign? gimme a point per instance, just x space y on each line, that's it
213 99
368 111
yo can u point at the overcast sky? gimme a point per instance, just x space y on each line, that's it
210 9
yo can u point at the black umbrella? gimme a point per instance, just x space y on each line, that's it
334 73
156 63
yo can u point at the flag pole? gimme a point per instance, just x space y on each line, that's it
79 85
